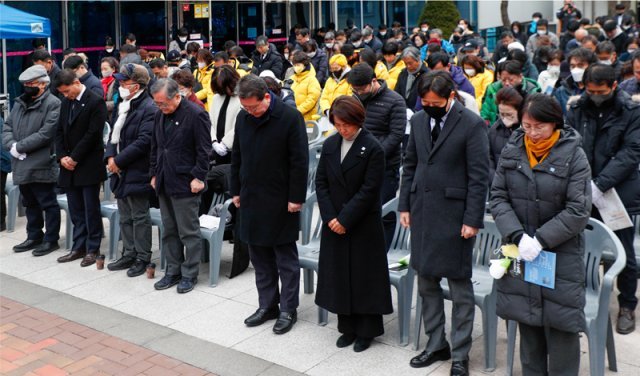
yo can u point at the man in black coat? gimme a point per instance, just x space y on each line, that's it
609 123
44 58
180 148
386 119
408 77
442 196
127 158
269 167
80 150
266 57
86 77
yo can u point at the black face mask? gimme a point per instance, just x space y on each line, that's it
31 91
436 112
337 74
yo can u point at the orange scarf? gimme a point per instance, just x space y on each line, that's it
540 150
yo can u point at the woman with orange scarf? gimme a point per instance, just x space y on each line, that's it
541 199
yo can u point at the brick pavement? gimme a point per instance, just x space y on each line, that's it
35 342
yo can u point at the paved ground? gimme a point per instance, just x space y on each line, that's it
205 329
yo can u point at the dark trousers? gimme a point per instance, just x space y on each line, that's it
363 326
3 201
628 279
461 316
388 192
84 209
273 263
548 351
38 198
135 226
181 230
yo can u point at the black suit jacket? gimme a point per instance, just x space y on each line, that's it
81 139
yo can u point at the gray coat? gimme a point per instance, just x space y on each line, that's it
443 188
553 202
32 126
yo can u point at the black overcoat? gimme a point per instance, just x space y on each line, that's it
269 167
81 139
353 276
443 188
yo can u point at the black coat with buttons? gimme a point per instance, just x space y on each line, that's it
551 201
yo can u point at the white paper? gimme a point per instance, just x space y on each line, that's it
209 221
324 124
111 206
613 213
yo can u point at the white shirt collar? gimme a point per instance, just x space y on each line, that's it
81 93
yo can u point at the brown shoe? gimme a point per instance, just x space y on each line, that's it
626 321
89 259
73 255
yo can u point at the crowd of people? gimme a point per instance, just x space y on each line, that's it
543 126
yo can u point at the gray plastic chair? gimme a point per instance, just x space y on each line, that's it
13 201
484 290
214 238
601 244
314 158
156 220
313 131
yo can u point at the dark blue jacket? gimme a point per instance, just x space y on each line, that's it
461 80
567 89
631 86
183 154
131 154
92 83
5 156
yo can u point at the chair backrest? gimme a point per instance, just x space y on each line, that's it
400 244
601 244
218 198
313 131
106 133
310 230
487 242
314 158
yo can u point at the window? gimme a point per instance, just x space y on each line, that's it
90 22
373 13
348 10
396 12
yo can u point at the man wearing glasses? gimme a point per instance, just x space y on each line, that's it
180 147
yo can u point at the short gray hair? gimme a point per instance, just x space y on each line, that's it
436 31
411 52
251 86
170 86
330 35
367 32
262 40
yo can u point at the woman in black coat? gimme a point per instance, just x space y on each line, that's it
541 199
353 277
509 102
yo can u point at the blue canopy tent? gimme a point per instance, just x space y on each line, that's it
16 24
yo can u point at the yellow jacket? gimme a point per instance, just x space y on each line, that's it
394 72
332 90
480 83
203 76
381 71
307 91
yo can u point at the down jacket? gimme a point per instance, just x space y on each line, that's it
334 88
552 202
307 91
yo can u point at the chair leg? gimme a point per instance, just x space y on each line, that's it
162 260
611 347
511 345
403 320
490 334
596 354
114 235
214 263
12 209
308 278
323 316
418 324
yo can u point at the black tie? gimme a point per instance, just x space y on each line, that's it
435 132
74 108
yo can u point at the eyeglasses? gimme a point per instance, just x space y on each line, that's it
360 89
251 109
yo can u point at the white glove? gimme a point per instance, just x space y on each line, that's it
15 154
529 247
220 149
596 194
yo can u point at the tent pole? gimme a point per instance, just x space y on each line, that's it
49 45
5 88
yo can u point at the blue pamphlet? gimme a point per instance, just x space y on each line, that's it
542 270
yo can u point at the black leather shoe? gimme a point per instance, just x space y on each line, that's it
362 344
426 359
460 368
626 321
121 264
71 256
261 316
186 284
138 268
26 245
345 340
285 322
45 248
167 281
89 259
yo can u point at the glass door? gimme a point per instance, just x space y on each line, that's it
249 22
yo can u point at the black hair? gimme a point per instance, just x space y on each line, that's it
600 74
543 22
437 57
157 63
382 27
221 55
41 55
582 54
228 45
273 85
131 37
509 66
108 41
544 108
252 86
390 48
434 47
183 32
506 34
437 82
347 50
360 75
192 47
518 55
128 49
69 51
573 25
356 35
65 77
605 47
309 46
224 80
38 42
368 56
300 57
74 62
610 25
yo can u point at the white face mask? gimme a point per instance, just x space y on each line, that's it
286 56
470 72
605 62
109 50
311 54
535 19
182 39
184 92
463 27
124 92
328 45
576 74
631 50
553 70
424 29
383 33
200 65
368 40
107 73
542 32
357 44
508 122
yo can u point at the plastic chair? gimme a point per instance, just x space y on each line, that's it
600 244
156 220
314 158
214 238
13 201
313 131
309 250
484 291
